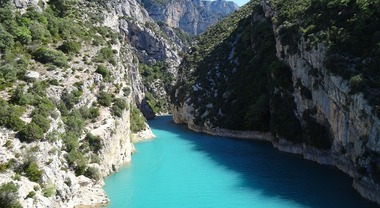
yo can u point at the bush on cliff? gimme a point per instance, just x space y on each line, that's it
9 195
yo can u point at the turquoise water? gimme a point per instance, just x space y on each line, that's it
183 169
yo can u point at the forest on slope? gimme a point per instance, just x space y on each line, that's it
306 71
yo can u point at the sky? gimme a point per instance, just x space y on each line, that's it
240 2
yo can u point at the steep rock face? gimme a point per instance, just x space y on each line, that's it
150 43
353 126
192 16
133 38
310 110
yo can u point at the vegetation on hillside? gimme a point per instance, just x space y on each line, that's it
234 80
349 28
49 42
156 76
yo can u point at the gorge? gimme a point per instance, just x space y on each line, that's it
78 79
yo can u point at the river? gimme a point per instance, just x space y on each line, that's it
185 169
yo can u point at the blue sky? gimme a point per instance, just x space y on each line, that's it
240 2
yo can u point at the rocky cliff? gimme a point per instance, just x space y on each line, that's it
192 16
69 116
275 78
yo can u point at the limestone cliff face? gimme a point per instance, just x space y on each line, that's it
192 16
140 40
347 122
354 128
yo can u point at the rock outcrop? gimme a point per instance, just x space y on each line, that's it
192 16
136 39
335 126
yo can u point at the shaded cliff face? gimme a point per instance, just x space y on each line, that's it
192 16
260 70
70 90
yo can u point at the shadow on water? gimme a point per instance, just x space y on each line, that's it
274 173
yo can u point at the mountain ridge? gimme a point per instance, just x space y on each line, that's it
192 16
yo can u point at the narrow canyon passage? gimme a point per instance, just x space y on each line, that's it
182 168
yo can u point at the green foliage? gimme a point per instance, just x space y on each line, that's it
118 106
23 35
349 28
41 121
6 40
153 72
70 47
184 36
356 83
95 142
69 99
104 99
104 72
70 140
31 194
10 116
77 161
9 195
39 32
158 74
138 121
127 91
49 191
74 123
89 113
31 132
33 172
157 105
93 173
104 54
46 55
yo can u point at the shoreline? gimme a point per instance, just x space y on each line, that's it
323 157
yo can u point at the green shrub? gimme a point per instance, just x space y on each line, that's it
104 99
70 140
46 55
104 54
74 123
118 106
6 40
138 121
104 72
93 173
77 161
10 116
39 32
33 172
70 99
31 194
356 83
49 191
127 91
42 121
31 132
23 35
3 167
70 47
8 73
9 195
89 113
95 142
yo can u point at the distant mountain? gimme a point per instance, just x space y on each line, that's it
192 16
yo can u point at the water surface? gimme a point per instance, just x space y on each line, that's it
184 169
